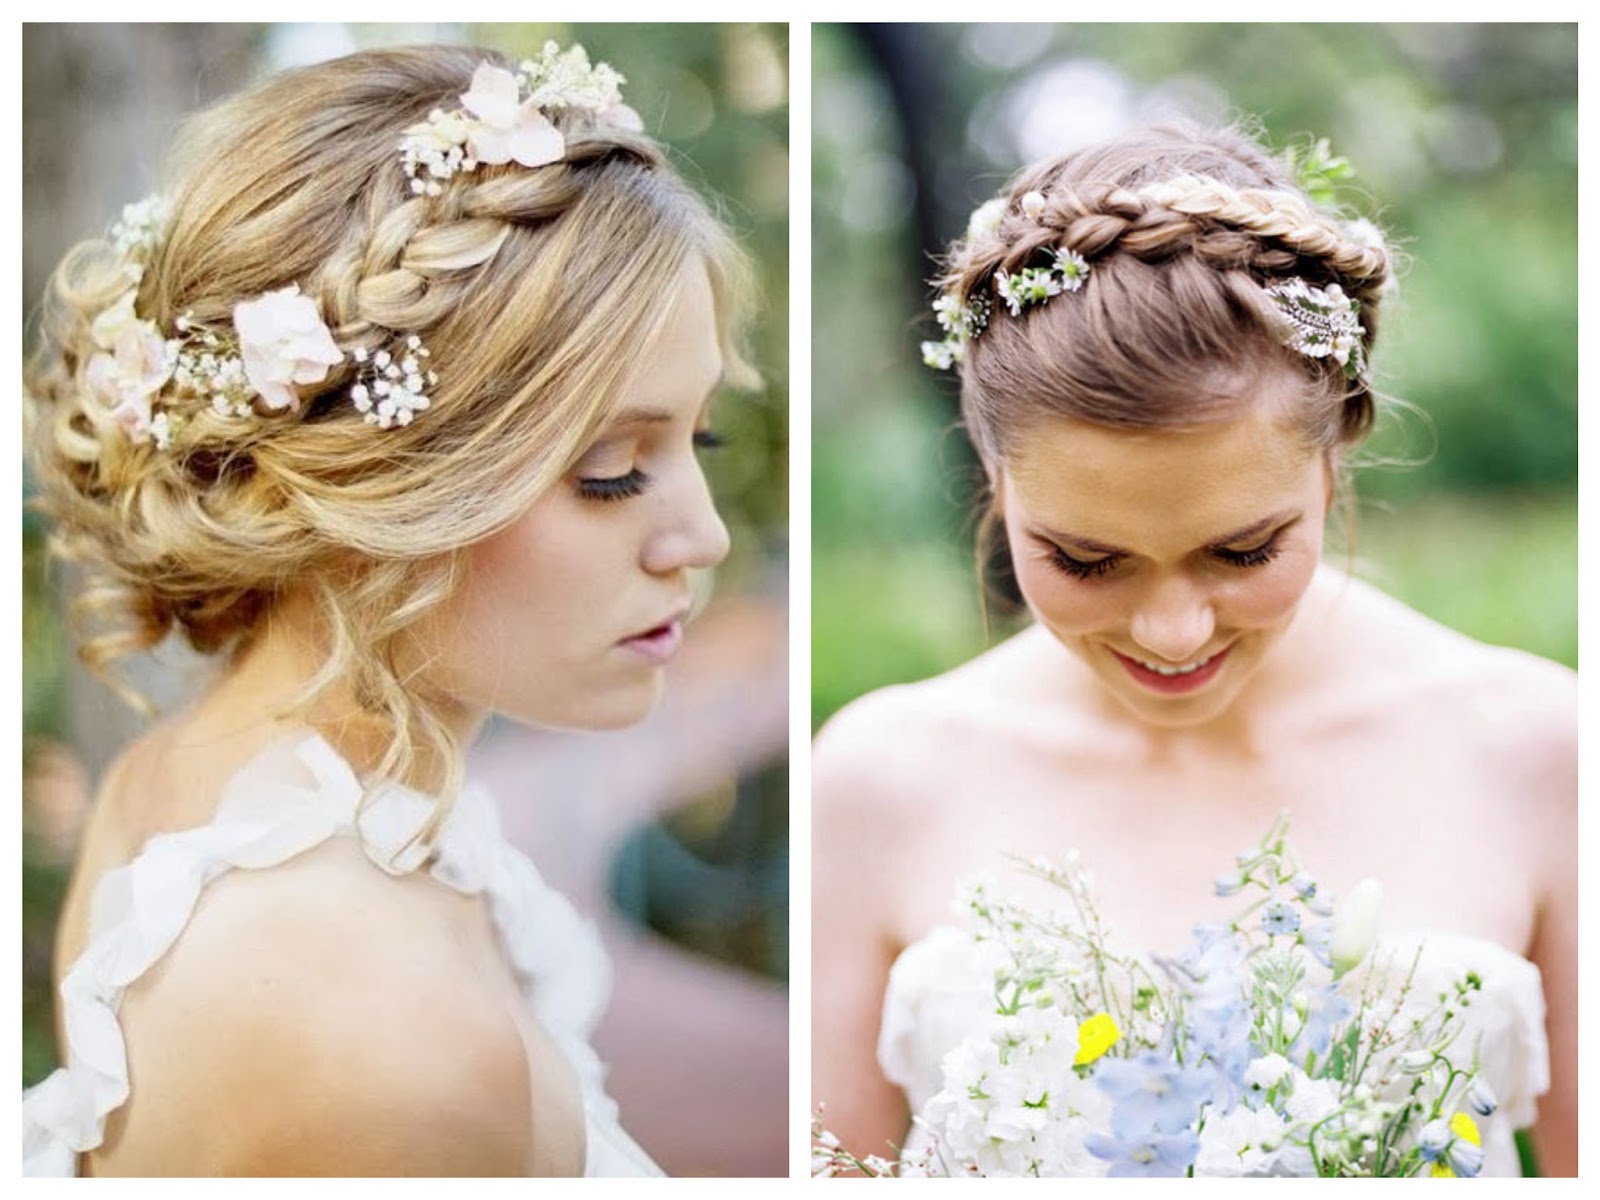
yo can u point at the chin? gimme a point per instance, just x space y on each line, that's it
1189 713
603 710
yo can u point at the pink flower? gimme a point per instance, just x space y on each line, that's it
283 342
125 381
505 129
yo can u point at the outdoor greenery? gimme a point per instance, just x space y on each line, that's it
1463 140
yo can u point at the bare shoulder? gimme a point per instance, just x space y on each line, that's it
1515 706
882 752
322 1017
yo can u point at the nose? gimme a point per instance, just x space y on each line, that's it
691 533
1174 621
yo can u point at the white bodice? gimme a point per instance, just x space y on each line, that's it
292 797
941 991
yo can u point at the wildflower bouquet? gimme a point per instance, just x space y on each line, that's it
1247 1054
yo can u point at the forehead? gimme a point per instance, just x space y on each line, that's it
1168 487
683 362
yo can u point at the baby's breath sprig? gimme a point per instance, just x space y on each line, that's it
391 392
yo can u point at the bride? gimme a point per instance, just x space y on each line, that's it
1165 389
395 404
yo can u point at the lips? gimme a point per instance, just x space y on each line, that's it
1174 679
660 642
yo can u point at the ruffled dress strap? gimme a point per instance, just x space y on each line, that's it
291 798
138 912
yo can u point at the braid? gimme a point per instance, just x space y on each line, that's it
1166 248
1267 232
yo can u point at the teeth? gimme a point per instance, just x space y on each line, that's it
1170 671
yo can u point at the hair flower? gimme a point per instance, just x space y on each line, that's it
505 117
125 381
109 325
1321 323
283 342
506 129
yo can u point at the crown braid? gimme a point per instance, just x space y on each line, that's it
1177 233
1269 232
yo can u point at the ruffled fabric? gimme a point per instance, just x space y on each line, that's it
940 990
294 796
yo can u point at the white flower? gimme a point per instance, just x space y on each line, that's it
1355 926
125 381
1481 1097
985 218
283 342
1267 1071
1244 1142
1033 204
109 325
506 128
1311 1099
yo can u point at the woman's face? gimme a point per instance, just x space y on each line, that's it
1169 561
568 617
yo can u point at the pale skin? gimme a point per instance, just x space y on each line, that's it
1402 749
275 1040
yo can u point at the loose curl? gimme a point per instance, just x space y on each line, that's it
521 281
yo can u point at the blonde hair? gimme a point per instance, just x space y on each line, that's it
522 282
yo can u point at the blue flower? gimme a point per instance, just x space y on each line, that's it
1317 937
1280 917
1153 1093
1325 1008
1152 1156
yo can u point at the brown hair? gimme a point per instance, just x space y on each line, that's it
522 282
1173 326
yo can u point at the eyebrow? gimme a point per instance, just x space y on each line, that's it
1287 517
660 416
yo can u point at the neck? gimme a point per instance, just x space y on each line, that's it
263 690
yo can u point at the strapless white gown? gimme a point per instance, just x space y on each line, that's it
292 797
941 991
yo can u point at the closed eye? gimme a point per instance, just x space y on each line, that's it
1254 557
614 487
1079 568
709 439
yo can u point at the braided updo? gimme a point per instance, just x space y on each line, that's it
523 283
1183 230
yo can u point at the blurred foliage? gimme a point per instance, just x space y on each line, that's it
715 875
1463 142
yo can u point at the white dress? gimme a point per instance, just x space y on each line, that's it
941 990
292 797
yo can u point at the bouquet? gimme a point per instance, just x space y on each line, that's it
1249 1053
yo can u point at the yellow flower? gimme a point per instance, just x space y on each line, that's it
1095 1036
1465 1128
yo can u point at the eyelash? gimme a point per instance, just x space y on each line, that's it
635 482
1077 568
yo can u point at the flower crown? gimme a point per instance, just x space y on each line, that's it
1319 322
274 343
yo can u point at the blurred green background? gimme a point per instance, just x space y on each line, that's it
100 105
1465 143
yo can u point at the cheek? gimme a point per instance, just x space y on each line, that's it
1066 605
1269 594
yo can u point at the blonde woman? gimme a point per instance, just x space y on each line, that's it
1165 407
394 403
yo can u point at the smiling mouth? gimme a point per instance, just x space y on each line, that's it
1161 669
1170 679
